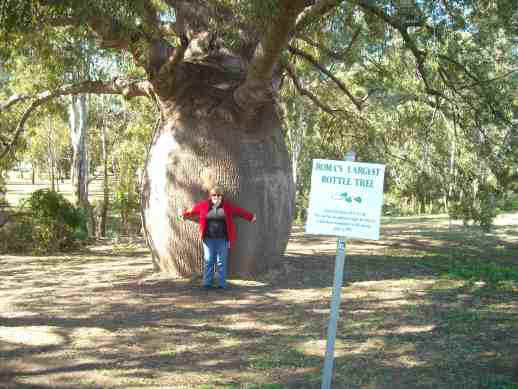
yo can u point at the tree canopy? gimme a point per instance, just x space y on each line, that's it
451 44
450 63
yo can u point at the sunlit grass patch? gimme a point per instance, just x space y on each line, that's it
286 357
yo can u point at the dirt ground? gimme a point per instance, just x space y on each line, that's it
100 318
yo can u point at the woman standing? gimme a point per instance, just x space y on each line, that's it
217 231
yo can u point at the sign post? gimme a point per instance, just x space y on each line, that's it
345 201
333 318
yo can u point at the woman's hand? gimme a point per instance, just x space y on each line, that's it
254 220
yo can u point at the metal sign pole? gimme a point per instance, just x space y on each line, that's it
335 304
333 319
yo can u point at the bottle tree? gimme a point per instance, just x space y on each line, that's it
214 69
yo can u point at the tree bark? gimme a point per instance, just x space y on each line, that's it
51 157
106 187
80 163
205 138
79 137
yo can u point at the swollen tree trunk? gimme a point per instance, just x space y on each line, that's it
205 135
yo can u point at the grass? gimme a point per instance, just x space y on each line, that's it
19 189
284 359
428 306
488 272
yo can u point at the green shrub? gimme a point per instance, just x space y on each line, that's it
509 202
16 236
55 224
482 210
301 206
126 205
391 209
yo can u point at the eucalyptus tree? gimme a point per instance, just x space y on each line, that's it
6 118
444 125
108 119
128 158
214 69
48 145
80 66
78 123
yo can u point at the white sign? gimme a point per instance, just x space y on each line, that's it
345 199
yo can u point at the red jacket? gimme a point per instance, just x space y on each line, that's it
202 208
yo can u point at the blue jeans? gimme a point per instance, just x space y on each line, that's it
215 252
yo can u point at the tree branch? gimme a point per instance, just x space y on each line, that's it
340 84
150 13
315 12
401 26
108 30
257 88
145 41
125 88
339 56
304 92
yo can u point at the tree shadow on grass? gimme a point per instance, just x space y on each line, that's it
400 326
409 341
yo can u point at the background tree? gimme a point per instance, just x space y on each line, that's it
78 123
118 143
424 138
48 147
214 69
